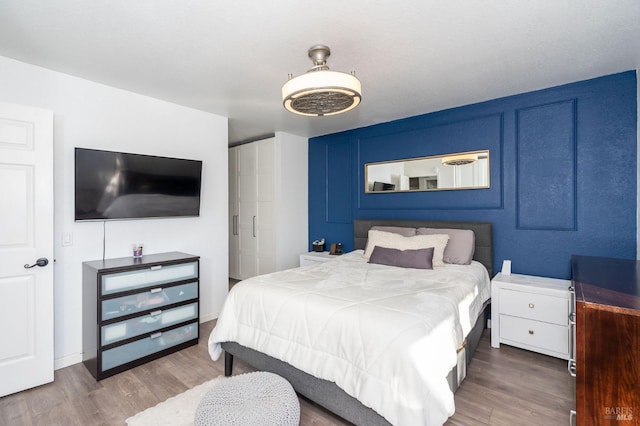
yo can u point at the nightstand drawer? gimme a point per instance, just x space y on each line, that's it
540 307
520 331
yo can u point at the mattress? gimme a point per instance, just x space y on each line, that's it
387 336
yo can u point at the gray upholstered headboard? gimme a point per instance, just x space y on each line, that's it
483 230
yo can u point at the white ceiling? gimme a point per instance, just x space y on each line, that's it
412 56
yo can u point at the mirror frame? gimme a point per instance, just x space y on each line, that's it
481 151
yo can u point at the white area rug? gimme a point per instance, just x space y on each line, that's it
178 410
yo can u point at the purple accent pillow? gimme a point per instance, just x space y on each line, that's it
461 245
418 259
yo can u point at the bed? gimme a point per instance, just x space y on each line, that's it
394 370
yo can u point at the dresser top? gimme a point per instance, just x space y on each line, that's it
607 281
146 260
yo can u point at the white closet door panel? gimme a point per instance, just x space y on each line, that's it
247 242
266 215
266 187
266 246
248 190
234 240
247 160
247 214
265 153
248 266
266 251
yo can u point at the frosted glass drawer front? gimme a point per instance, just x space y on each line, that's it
147 346
156 275
519 331
154 298
541 307
147 323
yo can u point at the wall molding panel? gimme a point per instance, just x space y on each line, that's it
470 134
338 190
546 161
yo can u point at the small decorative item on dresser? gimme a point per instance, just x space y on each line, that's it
531 313
137 249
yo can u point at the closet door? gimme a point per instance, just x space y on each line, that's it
247 210
265 221
234 234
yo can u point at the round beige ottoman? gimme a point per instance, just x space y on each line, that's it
259 398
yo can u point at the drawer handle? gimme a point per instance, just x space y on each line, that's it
155 268
531 305
531 332
155 313
571 366
155 290
571 288
572 318
156 335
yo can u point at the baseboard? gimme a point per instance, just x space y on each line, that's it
209 317
66 361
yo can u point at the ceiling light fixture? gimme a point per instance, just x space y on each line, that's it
460 159
320 91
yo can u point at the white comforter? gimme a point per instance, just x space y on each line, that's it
387 336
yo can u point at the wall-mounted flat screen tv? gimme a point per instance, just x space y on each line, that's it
117 185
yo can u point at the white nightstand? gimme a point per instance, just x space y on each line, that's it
314 257
531 313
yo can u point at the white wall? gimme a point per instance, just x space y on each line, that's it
292 188
92 115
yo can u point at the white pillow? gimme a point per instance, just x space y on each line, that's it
416 242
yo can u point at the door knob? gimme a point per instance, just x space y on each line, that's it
43 261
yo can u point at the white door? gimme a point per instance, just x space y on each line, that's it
26 234
247 212
234 234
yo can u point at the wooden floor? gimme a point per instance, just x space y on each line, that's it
505 386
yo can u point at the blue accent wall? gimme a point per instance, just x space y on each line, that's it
562 173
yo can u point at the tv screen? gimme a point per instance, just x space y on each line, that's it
117 185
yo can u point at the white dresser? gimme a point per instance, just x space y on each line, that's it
531 313
314 257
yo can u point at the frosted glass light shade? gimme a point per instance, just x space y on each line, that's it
319 93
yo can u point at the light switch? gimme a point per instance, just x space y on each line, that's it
67 238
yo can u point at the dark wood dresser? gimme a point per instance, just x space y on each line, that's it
607 344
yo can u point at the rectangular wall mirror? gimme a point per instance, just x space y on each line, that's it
461 170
